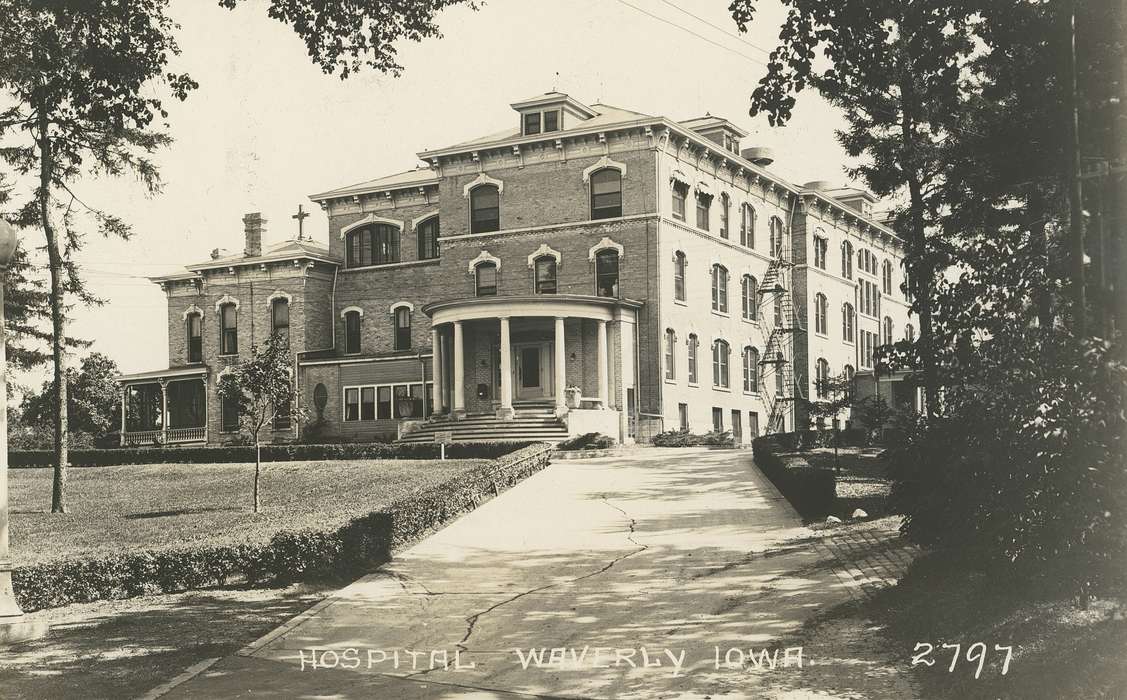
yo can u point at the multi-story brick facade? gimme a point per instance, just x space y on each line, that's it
604 246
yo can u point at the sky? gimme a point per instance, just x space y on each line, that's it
267 128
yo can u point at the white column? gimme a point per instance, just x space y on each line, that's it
601 362
436 369
164 412
124 394
560 367
459 388
506 410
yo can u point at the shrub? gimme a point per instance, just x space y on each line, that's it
589 441
676 438
270 453
717 439
809 489
338 554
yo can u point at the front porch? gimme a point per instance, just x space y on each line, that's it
572 355
164 407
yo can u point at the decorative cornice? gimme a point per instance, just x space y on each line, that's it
601 164
604 244
484 257
193 309
542 251
482 179
278 294
226 299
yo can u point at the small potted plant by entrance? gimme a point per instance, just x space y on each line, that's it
574 396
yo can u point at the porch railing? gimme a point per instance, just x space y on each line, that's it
136 438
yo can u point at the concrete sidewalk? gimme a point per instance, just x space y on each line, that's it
622 577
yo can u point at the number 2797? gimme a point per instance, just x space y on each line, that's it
976 653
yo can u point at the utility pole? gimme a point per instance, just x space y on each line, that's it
1072 167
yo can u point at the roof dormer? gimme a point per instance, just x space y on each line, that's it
718 130
552 111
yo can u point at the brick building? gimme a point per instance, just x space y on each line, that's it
589 269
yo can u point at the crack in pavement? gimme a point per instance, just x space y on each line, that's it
472 620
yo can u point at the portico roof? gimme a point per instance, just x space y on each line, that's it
159 374
541 305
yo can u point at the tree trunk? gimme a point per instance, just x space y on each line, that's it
257 472
58 320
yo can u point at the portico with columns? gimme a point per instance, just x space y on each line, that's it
495 355
164 407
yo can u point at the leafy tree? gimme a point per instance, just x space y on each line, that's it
893 67
79 77
263 389
344 35
93 398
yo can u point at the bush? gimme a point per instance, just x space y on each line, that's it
589 441
809 489
676 438
718 439
270 453
339 554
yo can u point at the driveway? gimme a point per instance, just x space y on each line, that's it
654 573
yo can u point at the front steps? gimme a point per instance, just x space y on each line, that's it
536 422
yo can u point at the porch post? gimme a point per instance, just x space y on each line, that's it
561 367
601 363
163 412
506 410
459 387
124 394
436 369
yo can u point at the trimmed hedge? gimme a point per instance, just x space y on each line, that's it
270 453
810 490
344 553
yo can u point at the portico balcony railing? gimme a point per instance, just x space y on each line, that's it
172 436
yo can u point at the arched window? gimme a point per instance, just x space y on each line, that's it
821 378
670 356
725 207
280 318
485 279
606 273
694 344
228 329
820 307
778 309
427 233
680 193
704 206
821 246
373 245
485 209
606 194
751 370
780 380
194 328
886 276
402 328
352 332
776 237
909 332
545 274
747 226
887 340
679 276
847 260
749 299
720 352
847 316
719 288
848 373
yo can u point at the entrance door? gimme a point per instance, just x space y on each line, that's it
530 368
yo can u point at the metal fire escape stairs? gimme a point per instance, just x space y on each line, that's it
776 364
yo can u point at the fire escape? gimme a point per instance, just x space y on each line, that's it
776 365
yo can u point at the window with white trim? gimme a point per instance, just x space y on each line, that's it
720 354
751 369
749 298
719 288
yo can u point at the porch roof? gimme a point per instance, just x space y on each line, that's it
159 374
540 305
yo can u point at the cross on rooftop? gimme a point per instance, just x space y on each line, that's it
301 216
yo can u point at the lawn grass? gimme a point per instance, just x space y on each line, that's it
860 478
128 508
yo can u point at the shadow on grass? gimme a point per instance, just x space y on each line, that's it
173 513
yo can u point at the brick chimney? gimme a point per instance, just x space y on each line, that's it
254 225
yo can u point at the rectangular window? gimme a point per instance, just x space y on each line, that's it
692 359
680 191
280 318
670 339
195 338
383 403
352 333
282 418
683 415
229 333
753 424
368 403
717 419
531 123
351 404
704 203
737 426
230 415
551 121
